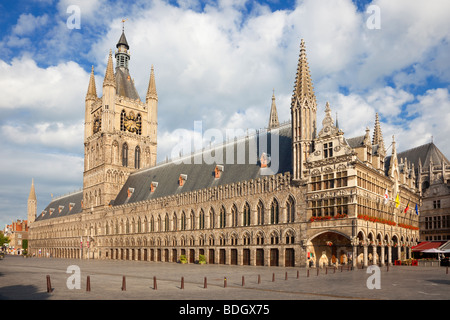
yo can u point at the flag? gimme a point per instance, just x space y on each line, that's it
417 209
407 207
397 201
386 197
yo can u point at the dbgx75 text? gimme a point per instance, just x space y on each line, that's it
246 309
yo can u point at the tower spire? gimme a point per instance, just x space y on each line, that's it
92 90
110 79
303 87
32 204
303 116
378 136
273 119
151 90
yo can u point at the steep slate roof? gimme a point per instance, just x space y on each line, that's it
201 175
125 85
64 201
426 153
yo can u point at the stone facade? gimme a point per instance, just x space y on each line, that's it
325 204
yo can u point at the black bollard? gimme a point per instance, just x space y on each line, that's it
49 284
182 282
243 281
205 284
124 284
88 284
225 282
259 278
155 287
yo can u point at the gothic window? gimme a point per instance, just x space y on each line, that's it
222 217
290 210
152 224
274 212
260 239
192 220
183 221
234 216
137 158
125 155
159 223
166 222
274 238
212 218
260 213
122 120
175 226
201 220
246 215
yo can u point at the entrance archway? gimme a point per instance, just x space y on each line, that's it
329 248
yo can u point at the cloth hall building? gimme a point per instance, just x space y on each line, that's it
293 194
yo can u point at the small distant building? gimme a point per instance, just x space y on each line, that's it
17 232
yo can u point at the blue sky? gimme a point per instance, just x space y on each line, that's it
218 62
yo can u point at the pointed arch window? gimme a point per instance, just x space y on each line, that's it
260 213
166 222
137 158
274 212
234 216
183 221
222 217
212 218
290 210
125 155
192 220
201 220
246 215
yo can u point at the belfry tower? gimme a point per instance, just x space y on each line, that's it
32 204
120 130
303 116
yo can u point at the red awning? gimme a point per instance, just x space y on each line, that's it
427 245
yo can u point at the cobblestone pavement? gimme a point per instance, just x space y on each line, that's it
26 278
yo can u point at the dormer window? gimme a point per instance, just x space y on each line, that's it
51 210
60 208
264 160
71 205
153 186
218 171
328 150
130 192
182 179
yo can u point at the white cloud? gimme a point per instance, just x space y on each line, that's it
53 91
219 65
28 23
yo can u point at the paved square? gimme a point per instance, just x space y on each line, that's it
27 279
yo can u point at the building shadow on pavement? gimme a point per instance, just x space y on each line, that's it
20 292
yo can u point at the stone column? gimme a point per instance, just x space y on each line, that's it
374 253
355 243
365 262
382 255
389 262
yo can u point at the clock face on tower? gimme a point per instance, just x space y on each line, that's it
132 123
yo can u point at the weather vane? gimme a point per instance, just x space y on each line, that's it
123 24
